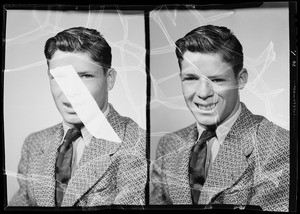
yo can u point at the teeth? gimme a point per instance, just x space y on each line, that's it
210 107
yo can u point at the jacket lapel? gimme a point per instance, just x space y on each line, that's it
92 166
231 160
96 159
44 186
179 175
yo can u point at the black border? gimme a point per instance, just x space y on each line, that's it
147 68
133 7
4 177
293 106
147 9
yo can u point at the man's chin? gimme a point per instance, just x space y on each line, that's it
72 121
207 121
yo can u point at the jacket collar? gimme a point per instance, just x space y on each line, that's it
94 162
179 174
236 148
231 159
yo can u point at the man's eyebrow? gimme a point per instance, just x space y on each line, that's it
220 76
188 74
85 72
82 72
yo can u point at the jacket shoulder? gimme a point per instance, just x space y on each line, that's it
179 134
46 132
130 124
41 137
124 126
134 135
177 139
272 135
269 135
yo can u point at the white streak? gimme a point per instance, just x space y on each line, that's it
83 103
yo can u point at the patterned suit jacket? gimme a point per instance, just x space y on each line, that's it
251 167
107 173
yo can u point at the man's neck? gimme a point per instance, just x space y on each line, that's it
223 128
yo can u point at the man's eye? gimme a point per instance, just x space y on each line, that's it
189 78
217 80
86 76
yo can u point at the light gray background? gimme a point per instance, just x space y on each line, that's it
264 35
28 103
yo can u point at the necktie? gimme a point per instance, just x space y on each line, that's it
64 164
197 164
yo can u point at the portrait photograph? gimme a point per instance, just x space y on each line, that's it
33 101
215 68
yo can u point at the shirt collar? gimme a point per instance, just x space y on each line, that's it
84 132
223 129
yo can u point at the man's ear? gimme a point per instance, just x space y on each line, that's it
111 75
242 78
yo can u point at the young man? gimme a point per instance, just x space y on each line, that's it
86 171
229 156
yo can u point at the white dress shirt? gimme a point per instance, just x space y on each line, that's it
80 144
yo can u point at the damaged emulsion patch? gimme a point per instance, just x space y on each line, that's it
83 103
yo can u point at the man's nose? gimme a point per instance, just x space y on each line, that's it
204 89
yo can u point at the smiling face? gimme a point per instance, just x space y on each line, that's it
210 87
92 75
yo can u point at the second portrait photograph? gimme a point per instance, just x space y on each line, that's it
220 107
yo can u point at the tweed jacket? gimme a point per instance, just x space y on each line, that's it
107 173
251 167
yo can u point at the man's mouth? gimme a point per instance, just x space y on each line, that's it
206 107
69 108
68 105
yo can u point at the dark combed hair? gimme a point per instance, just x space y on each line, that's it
210 39
80 39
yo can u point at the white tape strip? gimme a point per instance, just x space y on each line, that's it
83 103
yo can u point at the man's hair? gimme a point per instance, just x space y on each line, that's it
211 39
83 40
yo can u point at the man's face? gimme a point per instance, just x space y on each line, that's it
92 75
210 87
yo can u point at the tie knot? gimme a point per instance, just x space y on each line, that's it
72 135
207 134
